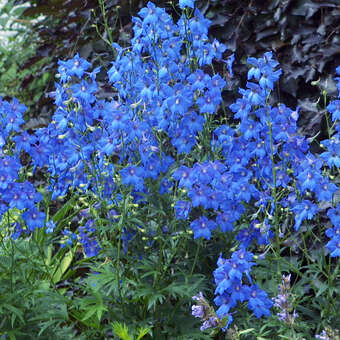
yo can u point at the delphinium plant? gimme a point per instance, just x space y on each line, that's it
127 203
280 188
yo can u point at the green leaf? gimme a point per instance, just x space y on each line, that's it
63 266
60 214
89 313
322 287
142 332
246 331
154 299
16 313
49 255
121 330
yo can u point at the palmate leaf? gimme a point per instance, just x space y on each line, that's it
150 295
142 332
185 286
94 305
121 330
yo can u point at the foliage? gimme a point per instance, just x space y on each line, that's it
22 74
305 37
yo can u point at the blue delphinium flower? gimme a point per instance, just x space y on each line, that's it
334 233
183 175
225 221
303 210
182 209
186 3
199 196
325 190
18 231
89 243
165 186
84 91
334 108
334 215
334 246
202 227
34 218
68 239
258 301
50 226
133 175
72 67
231 287
225 303
332 154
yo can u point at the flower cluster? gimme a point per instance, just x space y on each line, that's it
332 157
171 100
334 233
263 155
328 334
16 192
143 137
206 185
282 301
267 148
206 313
231 288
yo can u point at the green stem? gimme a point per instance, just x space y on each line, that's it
106 25
195 259
274 193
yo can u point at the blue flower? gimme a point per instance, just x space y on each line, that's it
72 67
332 155
200 196
309 179
202 227
50 226
334 215
34 218
165 186
183 175
182 209
198 80
183 141
325 190
230 62
225 303
334 108
151 13
14 121
225 221
186 3
133 175
258 301
198 25
209 102
84 91
23 141
304 210
334 246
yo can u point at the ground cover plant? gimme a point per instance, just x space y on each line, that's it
149 214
